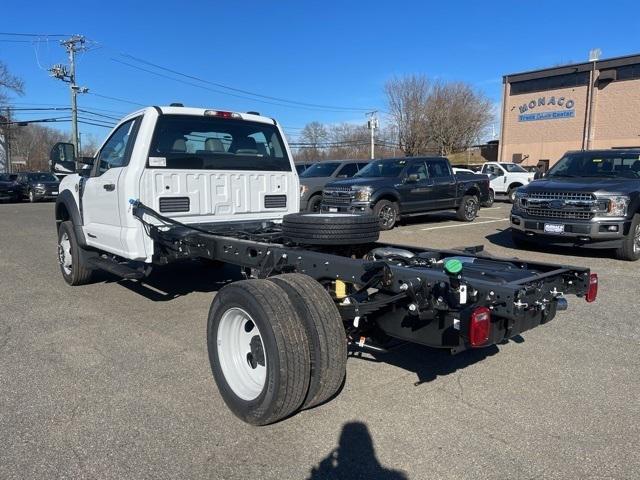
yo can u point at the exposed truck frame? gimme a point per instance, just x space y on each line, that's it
315 283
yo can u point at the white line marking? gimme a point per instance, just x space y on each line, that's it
466 224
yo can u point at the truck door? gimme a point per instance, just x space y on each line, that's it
496 177
415 191
102 199
443 192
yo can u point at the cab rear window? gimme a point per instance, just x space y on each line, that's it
211 143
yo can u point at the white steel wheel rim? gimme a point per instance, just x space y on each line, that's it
238 361
64 253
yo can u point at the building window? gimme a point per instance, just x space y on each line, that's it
569 80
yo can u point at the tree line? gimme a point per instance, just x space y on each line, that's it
423 117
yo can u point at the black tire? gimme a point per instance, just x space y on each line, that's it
387 213
630 249
284 345
468 209
330 228
77 272
325 330
313 205
492 198
32 196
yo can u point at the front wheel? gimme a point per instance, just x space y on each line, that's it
468 209
512 194
258 350
630 249
32 196
314 204
387 212
73 264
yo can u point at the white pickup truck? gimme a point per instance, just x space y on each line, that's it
505 178
181 184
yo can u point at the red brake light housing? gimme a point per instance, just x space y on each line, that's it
479 326
592 290
221 114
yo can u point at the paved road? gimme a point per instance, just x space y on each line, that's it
112 380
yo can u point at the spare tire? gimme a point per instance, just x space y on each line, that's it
330 228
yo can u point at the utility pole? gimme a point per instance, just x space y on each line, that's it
68 75
6 132
372 124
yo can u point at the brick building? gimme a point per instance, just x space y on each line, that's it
581 106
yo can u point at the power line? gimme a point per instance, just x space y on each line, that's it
117 99
35 34
246 92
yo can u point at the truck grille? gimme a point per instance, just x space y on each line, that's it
337 196
564 205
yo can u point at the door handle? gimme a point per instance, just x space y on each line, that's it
109 187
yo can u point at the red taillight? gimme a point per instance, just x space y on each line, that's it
592 291
479 326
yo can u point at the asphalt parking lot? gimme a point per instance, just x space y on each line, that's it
112 380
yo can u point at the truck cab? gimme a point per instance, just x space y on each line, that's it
194 165
506 178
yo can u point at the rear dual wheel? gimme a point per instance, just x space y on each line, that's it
275 346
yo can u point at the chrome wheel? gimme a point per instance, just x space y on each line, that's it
64 253
32 196
636 240
241 354
387 216
470 209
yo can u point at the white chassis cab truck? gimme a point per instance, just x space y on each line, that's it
174 184
505 178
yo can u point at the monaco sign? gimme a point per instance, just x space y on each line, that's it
530 111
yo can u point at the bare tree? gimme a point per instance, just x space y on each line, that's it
456 116
32 143
9 83
407 98
436 116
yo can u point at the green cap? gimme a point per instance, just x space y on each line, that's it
453 266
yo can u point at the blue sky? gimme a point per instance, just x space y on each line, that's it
333 53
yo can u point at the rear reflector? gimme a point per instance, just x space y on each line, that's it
479 326
592 291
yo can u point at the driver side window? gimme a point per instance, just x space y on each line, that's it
116 152
418 169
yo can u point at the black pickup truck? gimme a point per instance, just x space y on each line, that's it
588 199
397 187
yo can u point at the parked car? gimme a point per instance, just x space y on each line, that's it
9 189
37 186
313 180
588 199
506 178
406 186
467 171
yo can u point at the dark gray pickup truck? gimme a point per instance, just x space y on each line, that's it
407 186
588 199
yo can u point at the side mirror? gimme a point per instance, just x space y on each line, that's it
62 158
412 178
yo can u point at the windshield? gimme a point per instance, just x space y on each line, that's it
42 177
324 169
598 164
214 143
382 168
4 177
512 167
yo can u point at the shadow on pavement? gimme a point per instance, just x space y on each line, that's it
354 457
502 238
179 279
431 363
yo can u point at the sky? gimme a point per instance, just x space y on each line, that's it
336 55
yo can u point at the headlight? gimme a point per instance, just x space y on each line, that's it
613 206
520 194
362 194
303 189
